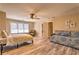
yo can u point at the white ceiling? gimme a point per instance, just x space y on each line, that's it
21 11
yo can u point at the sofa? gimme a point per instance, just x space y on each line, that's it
8 42
66 38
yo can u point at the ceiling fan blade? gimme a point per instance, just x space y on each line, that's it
35 10
32 15
36 18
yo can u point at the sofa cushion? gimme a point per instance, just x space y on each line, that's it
75 42
62 33
65 33
75 34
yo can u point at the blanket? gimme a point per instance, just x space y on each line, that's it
18 39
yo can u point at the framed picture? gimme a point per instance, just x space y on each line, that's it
73 24
70 24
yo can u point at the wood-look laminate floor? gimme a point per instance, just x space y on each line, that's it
43 46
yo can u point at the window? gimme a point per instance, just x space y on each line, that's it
26 26
14 28
19 28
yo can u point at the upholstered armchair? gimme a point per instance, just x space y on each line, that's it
33 32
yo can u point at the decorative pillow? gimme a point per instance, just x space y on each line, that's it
4 34
65 33
75 34
57 32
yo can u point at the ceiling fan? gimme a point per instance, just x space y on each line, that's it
34 16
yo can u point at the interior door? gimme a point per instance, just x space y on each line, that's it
47 29
50 28
44 30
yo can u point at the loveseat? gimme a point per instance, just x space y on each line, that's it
66 38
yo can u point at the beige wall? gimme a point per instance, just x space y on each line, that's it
2 20
38 25
60 22
38 28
